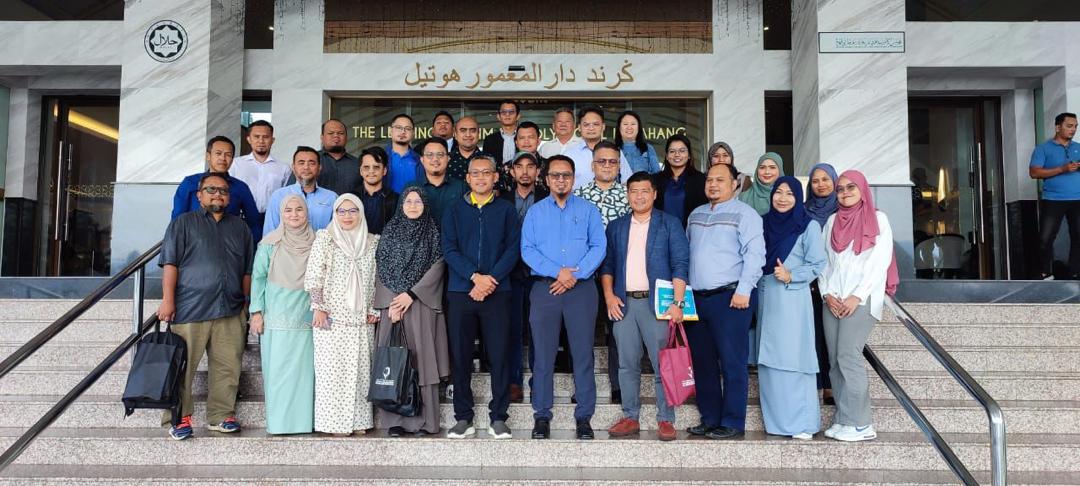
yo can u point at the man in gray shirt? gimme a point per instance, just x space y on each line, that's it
206 257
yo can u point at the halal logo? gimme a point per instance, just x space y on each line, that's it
165 41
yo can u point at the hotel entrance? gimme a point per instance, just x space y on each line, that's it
368 119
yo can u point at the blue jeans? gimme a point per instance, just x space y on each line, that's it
639 325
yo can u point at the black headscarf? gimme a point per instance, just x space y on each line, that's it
408 247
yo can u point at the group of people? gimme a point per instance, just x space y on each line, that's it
323 258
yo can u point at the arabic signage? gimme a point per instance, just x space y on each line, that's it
432 76
839 42
165 41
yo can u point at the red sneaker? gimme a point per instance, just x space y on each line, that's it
625 426
666 431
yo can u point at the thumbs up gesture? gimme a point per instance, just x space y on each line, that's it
781 273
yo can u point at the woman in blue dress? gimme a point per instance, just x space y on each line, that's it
787 358
281 313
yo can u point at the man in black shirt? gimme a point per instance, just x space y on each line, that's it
379 201
340 171
206 259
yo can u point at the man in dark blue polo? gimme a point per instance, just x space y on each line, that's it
480 242
1056 162
643 246
563 242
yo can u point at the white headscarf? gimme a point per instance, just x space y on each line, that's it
354 244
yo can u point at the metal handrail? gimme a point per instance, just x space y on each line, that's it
135 268
993 410
79 309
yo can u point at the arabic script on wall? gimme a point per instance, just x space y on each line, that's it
430 76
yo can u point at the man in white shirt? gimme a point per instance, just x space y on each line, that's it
259 170
563 125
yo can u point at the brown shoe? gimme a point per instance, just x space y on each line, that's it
666 431
625 426
516 395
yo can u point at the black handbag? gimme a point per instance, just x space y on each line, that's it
157 373
395 382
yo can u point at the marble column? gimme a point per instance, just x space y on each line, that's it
297 98
169 110
850 109
738 96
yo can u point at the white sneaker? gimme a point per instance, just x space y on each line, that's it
831 431
851 433
803 436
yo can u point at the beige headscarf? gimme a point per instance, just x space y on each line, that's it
289 261
354 244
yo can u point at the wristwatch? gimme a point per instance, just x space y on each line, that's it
679 303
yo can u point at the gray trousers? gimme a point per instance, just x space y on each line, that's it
845 339
639 326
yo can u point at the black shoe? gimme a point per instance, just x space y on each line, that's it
541 429
724 433
828 401
573 399
699 430
396 431
616 396
584 430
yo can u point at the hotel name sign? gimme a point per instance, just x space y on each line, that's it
534 76
860 42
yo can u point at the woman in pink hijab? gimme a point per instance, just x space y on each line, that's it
861 270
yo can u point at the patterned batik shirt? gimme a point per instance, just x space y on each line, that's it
612 203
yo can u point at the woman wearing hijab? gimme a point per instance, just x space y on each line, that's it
820 204
341 281
787 361
769 168
722 153
281 313
409 290
681 186
861 269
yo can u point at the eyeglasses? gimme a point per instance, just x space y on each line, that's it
437 155
603 162
848 188
481 172
350 211
401 128
224 191
561 176
678 151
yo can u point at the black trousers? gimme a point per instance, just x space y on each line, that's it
1049 224
465 319
823 382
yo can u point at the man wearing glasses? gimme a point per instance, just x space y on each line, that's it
441 191
206 260
609 196
219 158
480 242
404 163
1056 162
563 242
500 144
466 134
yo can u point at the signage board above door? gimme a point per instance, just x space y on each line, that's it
860 42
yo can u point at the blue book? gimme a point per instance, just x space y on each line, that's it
665 295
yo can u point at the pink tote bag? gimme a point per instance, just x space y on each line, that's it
676 369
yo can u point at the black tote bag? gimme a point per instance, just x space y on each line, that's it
157 373
394 381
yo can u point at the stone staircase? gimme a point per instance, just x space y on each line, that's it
1026 356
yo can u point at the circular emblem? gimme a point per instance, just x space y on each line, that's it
165 41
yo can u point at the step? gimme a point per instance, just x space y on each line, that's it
73 356
52 309
997 358
889 416
930 313
1010 334
902 451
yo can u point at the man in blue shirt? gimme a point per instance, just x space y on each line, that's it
404 162
320 201
563 242
219 157
480 242
1056 162
727 251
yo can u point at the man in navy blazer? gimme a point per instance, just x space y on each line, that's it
643 246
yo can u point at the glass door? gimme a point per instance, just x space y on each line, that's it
76 186
957 198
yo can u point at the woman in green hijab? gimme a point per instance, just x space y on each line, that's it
770 167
